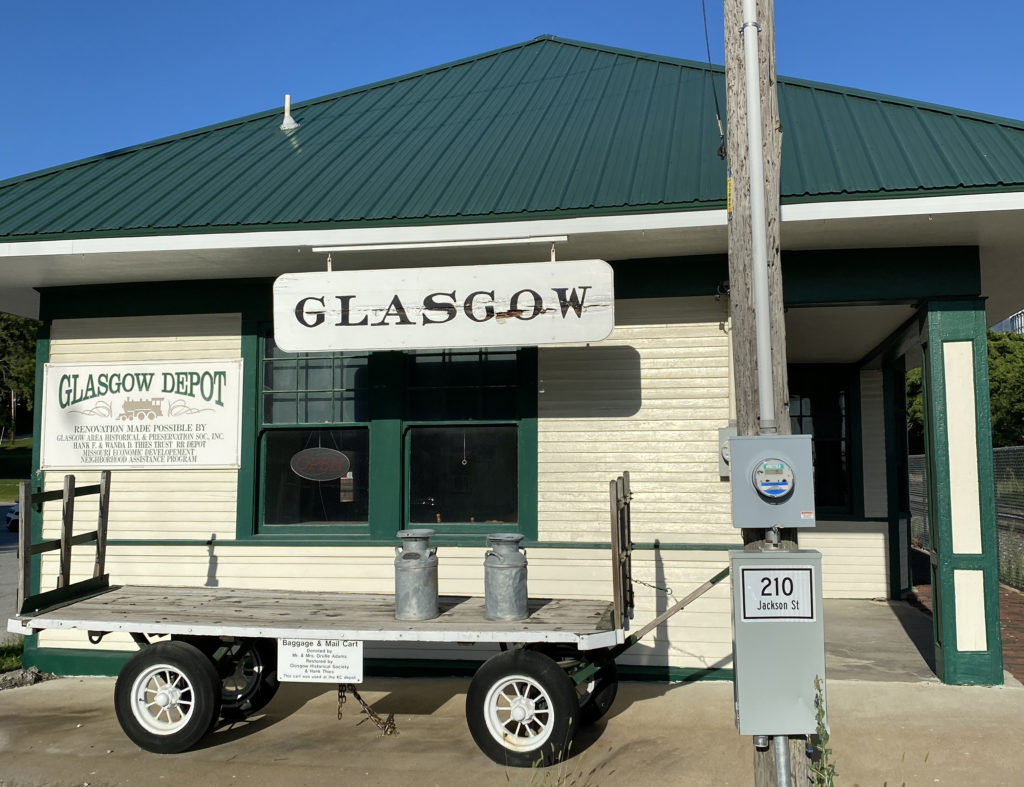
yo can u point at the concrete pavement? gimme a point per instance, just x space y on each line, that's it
64 733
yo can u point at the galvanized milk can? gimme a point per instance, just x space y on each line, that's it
505 596
415 576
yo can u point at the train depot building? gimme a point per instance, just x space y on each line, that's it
561 208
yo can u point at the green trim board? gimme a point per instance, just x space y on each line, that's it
464 540
252 297
811 278
248 488
35 517
898 275
660 277
960 321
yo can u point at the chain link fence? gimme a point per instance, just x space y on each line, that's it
1008 467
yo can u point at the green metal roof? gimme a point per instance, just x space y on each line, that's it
546 128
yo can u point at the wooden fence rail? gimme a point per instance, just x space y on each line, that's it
26 549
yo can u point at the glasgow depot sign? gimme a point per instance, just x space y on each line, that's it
142 415
511 305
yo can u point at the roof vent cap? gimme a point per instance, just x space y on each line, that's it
289 123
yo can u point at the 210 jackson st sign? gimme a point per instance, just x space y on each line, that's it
508 305
142 415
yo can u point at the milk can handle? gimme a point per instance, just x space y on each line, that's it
492 553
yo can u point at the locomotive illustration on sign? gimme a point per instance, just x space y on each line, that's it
140 409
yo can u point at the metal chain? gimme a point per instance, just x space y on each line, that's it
666 590
386 726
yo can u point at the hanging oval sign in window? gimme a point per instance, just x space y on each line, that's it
320 464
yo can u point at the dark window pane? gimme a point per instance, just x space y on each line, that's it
321 387
316 374
500 369
817 406
316 408
463 474
461 385
499 403
279 376
289 499
279 408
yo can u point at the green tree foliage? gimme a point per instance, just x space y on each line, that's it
915 412
1006 387
1006 394
17 364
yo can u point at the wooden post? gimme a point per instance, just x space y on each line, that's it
741 275
24 542
67 527
740 252
101 525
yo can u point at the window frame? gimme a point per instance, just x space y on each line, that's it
457 528
388 483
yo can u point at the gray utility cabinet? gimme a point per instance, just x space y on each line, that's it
779 645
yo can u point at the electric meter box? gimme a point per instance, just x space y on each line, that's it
772 481
778 640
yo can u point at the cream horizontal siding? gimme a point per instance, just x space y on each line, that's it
854 558
147 504
650 400
166 337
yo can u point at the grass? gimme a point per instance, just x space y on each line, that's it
10 655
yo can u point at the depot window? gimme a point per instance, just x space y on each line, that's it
356 446
824 403
314 441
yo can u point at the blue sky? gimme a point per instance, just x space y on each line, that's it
83 77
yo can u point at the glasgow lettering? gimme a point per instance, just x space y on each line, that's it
520 304
77 388
438 308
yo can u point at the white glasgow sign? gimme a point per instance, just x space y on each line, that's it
169 414
520 304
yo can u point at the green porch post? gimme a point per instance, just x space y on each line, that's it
965 582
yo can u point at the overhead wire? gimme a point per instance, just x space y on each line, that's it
714 90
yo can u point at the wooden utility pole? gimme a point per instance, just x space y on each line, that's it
741 274
740 247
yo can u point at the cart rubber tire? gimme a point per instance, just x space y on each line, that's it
167 696
597 694
522 710
252 680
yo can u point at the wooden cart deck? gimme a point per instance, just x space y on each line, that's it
157 610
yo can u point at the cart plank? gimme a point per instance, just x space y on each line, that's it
237 612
